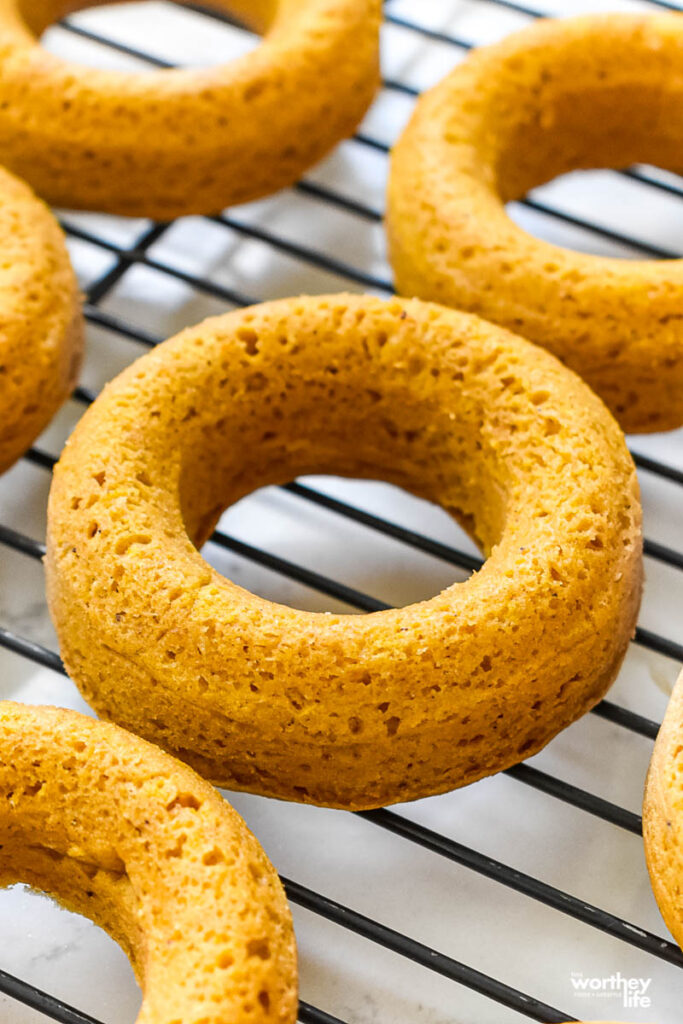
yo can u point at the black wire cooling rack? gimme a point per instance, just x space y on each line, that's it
139 254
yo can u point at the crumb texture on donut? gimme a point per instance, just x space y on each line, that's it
118 831
168 143
41 330
346 710
663 816
601 91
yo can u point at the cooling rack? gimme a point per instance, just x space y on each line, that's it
509 899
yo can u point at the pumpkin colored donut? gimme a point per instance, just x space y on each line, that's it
345 710
41 329
600 91
118 831
662 817
167 143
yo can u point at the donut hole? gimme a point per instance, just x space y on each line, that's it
597 212
118 36
69 955
39 15
339 549
348 418
268 430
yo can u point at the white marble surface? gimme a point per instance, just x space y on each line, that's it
451 909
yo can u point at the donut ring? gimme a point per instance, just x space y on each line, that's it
345 710
41 328
118 831
587 92
164 144
662 820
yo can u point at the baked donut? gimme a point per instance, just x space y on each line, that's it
167 143
118 831
599 91
345 710
41 328
662 818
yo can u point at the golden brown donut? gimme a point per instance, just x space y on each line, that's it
167 143
120 832
346 710
663 816
600 91
41 329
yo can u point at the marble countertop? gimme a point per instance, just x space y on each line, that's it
446 906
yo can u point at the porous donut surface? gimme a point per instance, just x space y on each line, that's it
41 328
600 91
117 830
346 710
663 816
167 143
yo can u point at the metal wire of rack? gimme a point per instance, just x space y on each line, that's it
140 253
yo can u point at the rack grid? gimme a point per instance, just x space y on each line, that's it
143 250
